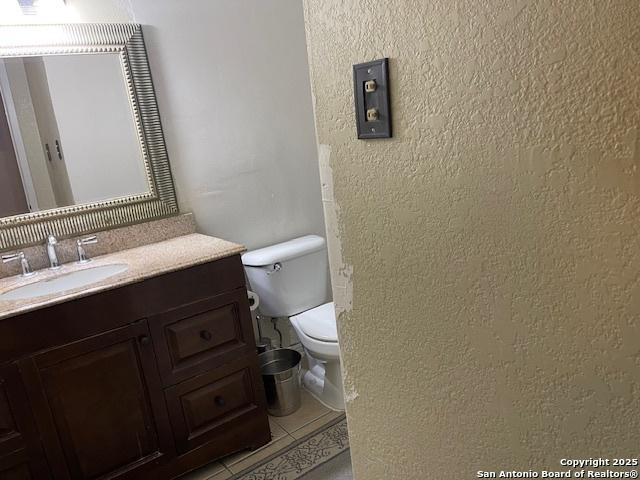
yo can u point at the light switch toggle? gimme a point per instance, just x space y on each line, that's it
370 86
373 115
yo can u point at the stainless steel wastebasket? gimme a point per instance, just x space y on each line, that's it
280 370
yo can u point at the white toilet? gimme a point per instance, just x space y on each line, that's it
291 280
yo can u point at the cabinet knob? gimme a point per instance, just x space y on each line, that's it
219 401
206 335
144 340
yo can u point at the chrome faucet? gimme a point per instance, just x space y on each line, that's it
24 263
51 251
80 244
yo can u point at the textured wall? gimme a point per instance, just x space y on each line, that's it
489 253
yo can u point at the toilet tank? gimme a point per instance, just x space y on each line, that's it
289 277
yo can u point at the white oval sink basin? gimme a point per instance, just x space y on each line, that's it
64 282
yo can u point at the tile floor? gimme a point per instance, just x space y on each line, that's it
313 452
338 468
311 416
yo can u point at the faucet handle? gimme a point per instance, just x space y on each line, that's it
80 243
88 240
24 263
11 257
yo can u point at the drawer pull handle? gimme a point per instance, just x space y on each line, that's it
144 340
205 335
219 401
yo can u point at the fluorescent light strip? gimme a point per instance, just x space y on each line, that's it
33 11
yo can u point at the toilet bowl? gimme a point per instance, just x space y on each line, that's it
291 280
316 329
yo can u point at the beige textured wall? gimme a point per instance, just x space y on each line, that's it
487 258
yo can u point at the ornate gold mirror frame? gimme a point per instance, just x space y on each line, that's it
126 40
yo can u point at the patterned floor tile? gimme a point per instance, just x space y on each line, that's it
338 468
304 456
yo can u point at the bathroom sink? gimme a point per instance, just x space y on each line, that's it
64 282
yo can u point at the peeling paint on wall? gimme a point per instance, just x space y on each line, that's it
341 272
491 249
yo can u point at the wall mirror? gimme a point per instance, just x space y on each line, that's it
81 144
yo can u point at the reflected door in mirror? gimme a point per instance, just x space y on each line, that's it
70 136
13 200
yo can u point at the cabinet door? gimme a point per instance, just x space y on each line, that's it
99 403
21 455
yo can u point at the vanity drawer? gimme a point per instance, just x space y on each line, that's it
212 405
202 335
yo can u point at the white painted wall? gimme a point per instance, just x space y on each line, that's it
233 90
99 11
95 122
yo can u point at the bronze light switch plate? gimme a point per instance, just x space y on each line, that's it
371 92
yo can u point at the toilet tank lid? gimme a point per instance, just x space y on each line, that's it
281 252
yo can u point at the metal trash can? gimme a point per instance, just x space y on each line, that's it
281 376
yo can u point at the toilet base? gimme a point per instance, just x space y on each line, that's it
324 381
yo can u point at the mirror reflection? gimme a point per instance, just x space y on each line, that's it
67 133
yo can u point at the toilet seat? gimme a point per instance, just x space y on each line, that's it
318 334
319 323
323 349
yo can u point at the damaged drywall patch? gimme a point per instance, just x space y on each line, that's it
350 395
341 273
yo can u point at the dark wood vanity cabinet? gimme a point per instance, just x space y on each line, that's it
21 454
148 380
99 404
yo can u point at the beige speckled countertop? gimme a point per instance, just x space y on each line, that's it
144 262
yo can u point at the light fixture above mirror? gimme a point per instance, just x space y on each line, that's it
34 11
